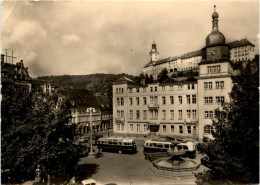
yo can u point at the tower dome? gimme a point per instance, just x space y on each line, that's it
215 37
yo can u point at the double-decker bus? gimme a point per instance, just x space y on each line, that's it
120 145
163 146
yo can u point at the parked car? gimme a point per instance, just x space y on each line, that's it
83 139
88 182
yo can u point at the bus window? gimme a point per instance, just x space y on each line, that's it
159 145
119 143
114 142
126 144
166 145
185 147
110 142
180 147
172 146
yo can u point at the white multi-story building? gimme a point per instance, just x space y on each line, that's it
183 108
240 50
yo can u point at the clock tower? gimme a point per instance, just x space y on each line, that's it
215 78
215 49
154 54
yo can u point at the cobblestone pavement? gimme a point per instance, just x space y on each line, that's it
114 168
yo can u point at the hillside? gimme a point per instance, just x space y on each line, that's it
99 82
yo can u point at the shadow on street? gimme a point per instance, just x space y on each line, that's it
86 171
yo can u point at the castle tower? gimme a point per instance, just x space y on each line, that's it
154 54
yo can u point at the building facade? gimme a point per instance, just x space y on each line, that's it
240 50
183 108
81 100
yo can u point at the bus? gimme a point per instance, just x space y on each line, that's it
120 145
163 146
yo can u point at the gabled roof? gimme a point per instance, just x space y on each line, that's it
239 43
124 80
83 98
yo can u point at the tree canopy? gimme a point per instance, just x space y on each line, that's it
35 130
233 156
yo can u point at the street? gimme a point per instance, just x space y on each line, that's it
114 168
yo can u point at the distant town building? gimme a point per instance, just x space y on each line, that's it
240 50
83 99
183 108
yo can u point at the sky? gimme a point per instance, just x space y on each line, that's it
86 37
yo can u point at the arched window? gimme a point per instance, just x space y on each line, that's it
208 129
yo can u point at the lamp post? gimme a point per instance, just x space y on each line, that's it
90 110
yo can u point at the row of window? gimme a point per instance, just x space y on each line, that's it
172 129
219 100
119 90
218 85
208 129
213 69
190 114
155 88
154 100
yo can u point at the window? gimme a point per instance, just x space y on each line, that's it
220 100
188 99
122 101
154 114
118 126
217 84
189 129
151 89
145 128
137 114
131 114
118 101
208 100
221 84
130 90
130 101
194 114
194 99
155 100
144 89
145 114
192 86
188 85
180 129
172 99
137 90
131 127
144 99
118 114
180 99
208 129
122 114
179 87
155 89
163 100
180 114
137 101
171 88
122 127
163 88
172 114
164 128
138 127
188 113
213 69
164 114
210 85
151 99
172 128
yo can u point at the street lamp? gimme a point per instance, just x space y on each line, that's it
90 110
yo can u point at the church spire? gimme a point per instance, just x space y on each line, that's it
154 54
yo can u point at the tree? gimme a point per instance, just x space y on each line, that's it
233 156
34 131
163 75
